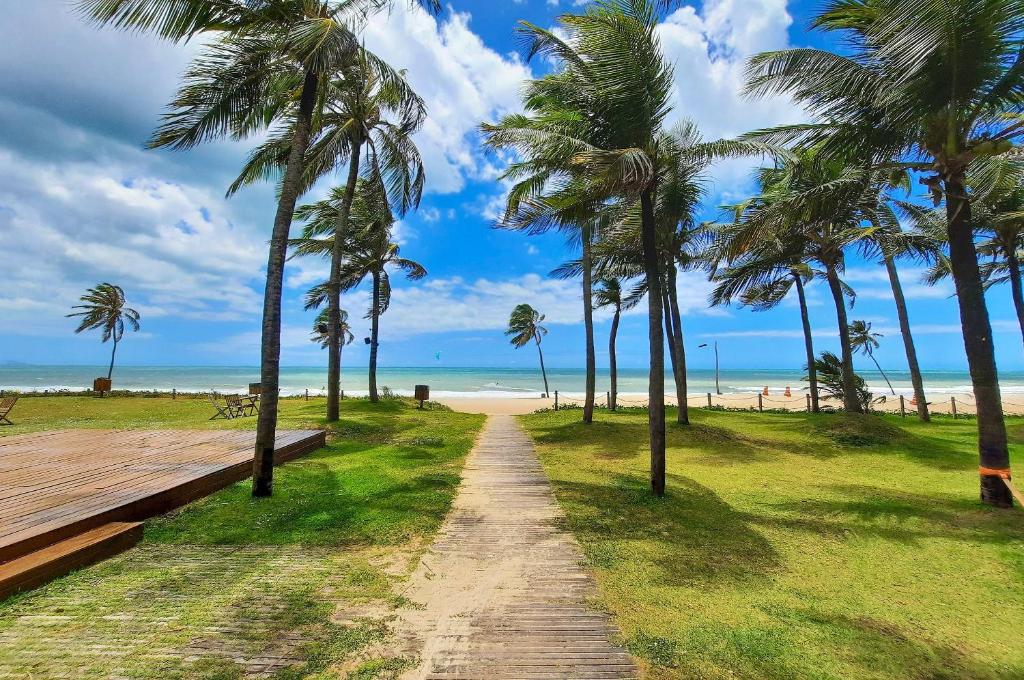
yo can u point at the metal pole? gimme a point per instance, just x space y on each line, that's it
952 402
903 407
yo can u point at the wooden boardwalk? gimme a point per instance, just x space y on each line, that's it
501 593
58 485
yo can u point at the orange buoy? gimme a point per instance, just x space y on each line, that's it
765 392
913 401
789 392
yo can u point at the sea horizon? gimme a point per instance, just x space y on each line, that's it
452 381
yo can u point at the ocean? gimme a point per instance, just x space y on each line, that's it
449 381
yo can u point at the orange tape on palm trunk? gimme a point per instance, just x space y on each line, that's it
1002 473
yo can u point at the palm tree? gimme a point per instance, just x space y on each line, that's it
865 341
829 369
590 129
888 241
609 294
813 202
104 307
369 253
943 77
524 326
761 280
366 105
265 64
321 331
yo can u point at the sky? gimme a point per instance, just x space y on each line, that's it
82 202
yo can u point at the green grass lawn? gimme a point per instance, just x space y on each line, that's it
229 583
796 546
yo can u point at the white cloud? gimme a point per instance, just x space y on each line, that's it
709 49
454 304
463 81
173 247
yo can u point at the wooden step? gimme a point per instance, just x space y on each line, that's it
63 557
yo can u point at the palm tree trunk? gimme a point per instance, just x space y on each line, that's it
110 371
588 322
908 339
805 319
884 376
543 373
851 400
374 331
683 415
1013 264
270 351
656 339
993 452
613 373
334 290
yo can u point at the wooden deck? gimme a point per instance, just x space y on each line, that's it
61 484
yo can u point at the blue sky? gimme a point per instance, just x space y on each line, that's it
81 202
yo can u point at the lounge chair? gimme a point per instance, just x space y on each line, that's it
225 410
6 405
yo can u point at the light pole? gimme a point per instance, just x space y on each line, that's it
718 389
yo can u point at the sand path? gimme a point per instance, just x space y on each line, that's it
501 593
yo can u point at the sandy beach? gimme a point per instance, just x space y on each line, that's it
940 402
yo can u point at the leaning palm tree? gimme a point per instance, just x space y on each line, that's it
589 137
367 105
943 77
762 279
525 326
815 202
104 307
264 64
609 294
369 253
890 242
866 341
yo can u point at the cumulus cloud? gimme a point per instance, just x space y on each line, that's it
709 48
463 82
457 304
171 246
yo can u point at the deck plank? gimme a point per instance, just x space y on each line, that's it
61 483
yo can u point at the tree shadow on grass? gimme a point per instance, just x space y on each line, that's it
347 493
894 515
871 643
695 537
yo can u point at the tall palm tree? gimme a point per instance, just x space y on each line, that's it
525 326
761 280
590 128
866 341
369 253
366 105
609 294
262 58
944 78
584 229
814 202
889 242
104 307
